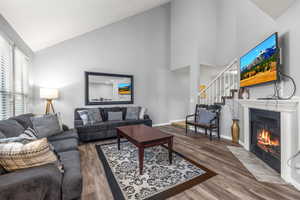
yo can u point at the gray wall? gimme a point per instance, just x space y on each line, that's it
242 30
139 45
226 49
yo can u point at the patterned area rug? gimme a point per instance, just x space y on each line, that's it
159 181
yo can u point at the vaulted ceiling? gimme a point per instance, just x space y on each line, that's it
43 23
274 8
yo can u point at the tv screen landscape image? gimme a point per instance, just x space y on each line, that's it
260 64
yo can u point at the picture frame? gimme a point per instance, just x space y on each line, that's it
108 89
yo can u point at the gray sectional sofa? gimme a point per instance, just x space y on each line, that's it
107 128
43 182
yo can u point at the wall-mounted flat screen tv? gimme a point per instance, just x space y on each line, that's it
260 65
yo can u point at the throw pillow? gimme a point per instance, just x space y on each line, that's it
18 155
24 120
84 115
90 116
11 128
113 116
94 115
46 125
132 113
143 112
204 116
29 134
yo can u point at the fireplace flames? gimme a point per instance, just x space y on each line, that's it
264 138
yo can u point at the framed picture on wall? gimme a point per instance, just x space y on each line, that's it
108 89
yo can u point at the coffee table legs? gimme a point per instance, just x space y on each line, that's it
141 159
170 147
141 151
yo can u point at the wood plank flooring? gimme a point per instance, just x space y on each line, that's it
233 182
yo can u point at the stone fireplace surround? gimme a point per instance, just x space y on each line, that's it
290 127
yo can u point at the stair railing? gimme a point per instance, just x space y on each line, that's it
226 81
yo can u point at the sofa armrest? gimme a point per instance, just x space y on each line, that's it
146 116
35 183
65 127
78 123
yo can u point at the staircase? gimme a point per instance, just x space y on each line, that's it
223 87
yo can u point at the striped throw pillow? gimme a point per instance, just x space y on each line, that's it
28 135
21 155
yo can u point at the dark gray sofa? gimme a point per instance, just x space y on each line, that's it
43 182
105 129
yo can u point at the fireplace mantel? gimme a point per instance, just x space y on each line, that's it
273 105
290 126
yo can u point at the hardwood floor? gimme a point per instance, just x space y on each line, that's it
232 182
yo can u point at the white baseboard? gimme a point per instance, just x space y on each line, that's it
162 124
226 137
295 184
168 123
178 120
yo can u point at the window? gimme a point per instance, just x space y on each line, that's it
13 80
20 82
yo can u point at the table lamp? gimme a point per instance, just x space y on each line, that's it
49 94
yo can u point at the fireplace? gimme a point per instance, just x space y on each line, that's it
265 136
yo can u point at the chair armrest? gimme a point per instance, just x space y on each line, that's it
32 184
213 119
188 116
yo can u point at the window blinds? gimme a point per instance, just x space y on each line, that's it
20 82
6 79
13 80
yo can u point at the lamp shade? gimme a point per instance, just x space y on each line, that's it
48 93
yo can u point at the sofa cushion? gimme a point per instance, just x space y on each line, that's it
64 135
72 180
46 125
113 116
100 126
116 123
11 128
22 155
24 120
132 113
65 145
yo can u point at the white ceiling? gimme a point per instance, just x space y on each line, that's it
43 23
274 8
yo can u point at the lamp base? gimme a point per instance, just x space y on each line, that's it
49 106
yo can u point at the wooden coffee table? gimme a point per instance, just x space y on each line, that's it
143 137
